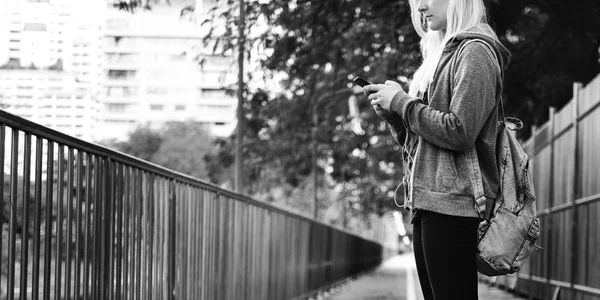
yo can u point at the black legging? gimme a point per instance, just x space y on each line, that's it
445 251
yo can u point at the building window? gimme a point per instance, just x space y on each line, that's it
118 91
178 57
213 93
179 107
156 90
35 27
157 107
121 74
117 107
115 121
117 24
126 58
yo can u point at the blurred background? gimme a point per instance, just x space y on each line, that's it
157 79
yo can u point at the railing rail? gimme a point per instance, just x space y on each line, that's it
86 222
566 171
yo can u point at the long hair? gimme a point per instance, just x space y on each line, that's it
463 16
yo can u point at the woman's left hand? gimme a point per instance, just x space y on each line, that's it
382 94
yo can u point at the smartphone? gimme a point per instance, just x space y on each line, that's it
361 82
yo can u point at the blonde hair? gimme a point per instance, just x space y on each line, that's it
462 16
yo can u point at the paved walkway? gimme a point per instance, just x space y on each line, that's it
397 279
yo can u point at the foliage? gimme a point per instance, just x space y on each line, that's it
320 45
553 43
184 148
179 146
143 143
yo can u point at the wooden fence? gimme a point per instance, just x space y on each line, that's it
565 158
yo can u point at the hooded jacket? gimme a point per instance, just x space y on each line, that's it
457 112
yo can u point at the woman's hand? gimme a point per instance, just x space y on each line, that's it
382 94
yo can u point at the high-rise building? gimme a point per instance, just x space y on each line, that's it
50 62
157 70
51 98
128 68
56 34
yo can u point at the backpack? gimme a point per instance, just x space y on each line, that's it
509 228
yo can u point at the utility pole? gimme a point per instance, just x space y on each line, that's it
239 185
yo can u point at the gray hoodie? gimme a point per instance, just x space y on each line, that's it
459 111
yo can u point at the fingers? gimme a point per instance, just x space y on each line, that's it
392 83
376 102
373 87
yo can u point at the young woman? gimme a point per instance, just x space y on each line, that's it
451 107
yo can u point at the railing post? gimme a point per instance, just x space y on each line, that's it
171 242
576 183
107 187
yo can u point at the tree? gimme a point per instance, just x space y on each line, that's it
184 148
553 43
318 45
321 45
180 146
143 142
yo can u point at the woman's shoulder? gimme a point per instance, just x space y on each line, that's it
476 51
474 47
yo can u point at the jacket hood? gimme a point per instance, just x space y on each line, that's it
502 53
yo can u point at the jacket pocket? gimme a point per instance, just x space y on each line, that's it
463 185
436 172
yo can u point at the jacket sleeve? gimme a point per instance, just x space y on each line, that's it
473 99
397 128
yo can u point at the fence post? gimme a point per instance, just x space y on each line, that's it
551 125
171 261
532 163
576 183
105 281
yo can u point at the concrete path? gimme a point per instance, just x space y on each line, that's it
397 279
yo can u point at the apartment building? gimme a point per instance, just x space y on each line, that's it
50 62
156 70
147 67
51 98
57 34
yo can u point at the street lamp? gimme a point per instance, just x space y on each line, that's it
315 119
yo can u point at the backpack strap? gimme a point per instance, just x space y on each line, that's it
473 159
476 182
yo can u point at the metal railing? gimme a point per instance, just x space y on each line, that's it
566 172
84 222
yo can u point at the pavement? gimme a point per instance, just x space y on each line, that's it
396 279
